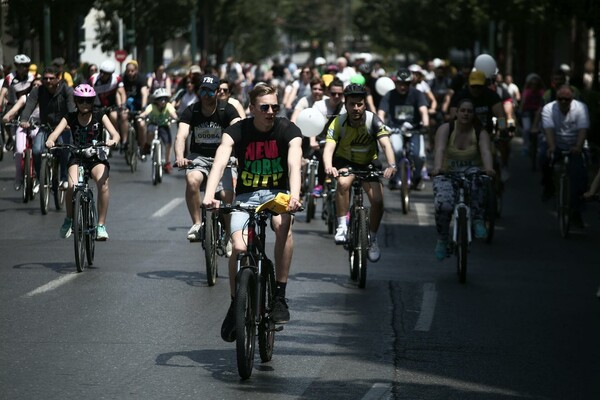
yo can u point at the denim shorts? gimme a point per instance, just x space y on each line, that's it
239 219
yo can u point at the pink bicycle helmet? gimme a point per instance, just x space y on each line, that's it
84 90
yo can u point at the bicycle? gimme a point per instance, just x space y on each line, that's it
358 227
309 181
461 220
85 215
157 153
563 200
406 167
329 208
27 164
255 289
132 148
49 182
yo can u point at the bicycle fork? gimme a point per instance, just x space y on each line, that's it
461 205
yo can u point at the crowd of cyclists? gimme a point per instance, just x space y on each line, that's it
240 119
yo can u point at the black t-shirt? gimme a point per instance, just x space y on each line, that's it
483 105
207 131
262 156
84 135
133 88
403 108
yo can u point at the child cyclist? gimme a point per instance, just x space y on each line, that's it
159 113
86 126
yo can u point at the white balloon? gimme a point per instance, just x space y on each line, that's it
486 64
384 85
311 122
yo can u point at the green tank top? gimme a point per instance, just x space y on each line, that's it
459 159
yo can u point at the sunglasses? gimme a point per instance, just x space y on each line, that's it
336 94
564 99
209 93
224 90
89 100
265 107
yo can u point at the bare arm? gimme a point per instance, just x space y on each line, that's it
486 153
294 162
51 141
182 134
216 172
114 134
388 150
441 138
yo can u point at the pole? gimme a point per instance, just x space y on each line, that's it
47 47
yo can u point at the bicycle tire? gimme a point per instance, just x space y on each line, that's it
405 185
132 149
310 208
155 164
266 328
331 213
27 178
2 142
352 244
564 207
462 245
58 192
210 248
245 321
362 248
90 235
79 227
45 184
490 211
160 163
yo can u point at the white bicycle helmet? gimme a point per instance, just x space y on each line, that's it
160 93
107 66
22 59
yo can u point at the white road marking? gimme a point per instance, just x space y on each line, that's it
427 308
167 208
379 391
52 284
424 217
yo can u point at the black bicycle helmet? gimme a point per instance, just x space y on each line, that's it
404 75
355 89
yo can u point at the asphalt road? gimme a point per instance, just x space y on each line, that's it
143 324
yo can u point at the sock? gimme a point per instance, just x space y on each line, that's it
342 221
280 289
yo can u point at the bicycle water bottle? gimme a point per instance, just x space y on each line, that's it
80 172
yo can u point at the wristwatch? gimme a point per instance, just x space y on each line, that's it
392 166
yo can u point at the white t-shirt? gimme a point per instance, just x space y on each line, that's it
566 127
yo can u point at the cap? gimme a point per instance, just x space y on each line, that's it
476 78
415 68
132 62
195 69
58 61
210 82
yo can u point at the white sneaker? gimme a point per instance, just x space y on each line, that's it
341 235
374 253
193 234
229 247
64 185
36 186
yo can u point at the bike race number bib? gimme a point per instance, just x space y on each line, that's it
205 135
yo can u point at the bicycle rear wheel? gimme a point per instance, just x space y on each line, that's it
210 247
405 185
331 212
266 328
45 184
245 322
563 206
310 200
156 164
79 228
352 244
90 236
362 248
462 245
132 148
57 191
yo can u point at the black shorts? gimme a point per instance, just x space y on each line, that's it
89 162
341 163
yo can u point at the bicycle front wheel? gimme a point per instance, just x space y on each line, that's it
27 176
245 322
79 228
563 206
90 236
405 185
45 184
266 328
210 248
462 245
362 248
58 192
156 167
132 148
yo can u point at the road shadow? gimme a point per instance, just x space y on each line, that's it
60 267
195 279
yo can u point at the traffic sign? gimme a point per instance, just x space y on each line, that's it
120 55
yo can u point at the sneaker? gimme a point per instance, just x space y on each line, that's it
193 234
228 326
317 191
480 229
374 253
101 233
441 249
168 168
36 186
18 185
229 247
65 229
340 235
280 313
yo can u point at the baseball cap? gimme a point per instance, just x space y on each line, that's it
476 78
210 82
415 68
195 69
58 61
